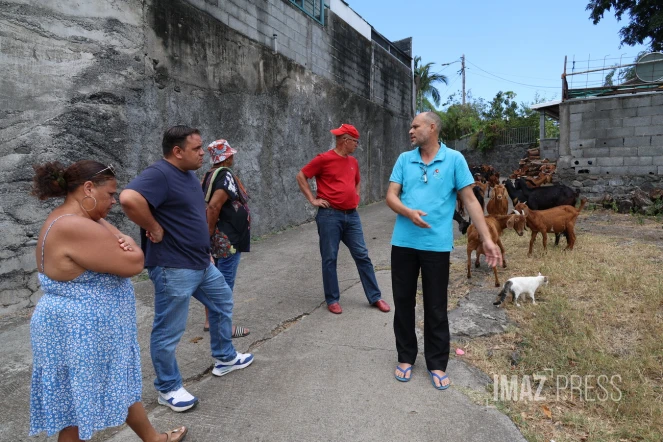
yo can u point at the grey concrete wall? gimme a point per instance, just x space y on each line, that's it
505 159
550 148
103 80
611 145
615 136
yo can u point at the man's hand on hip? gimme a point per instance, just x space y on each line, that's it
319 202
155 235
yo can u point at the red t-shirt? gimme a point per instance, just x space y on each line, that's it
337 178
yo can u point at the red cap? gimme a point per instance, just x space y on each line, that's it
346 129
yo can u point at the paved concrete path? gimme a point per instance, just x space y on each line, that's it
317 376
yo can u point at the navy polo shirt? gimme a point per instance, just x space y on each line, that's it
435 195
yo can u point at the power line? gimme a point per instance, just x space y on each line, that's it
511 81
522 84
450 84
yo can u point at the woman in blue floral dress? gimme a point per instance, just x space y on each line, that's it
86 360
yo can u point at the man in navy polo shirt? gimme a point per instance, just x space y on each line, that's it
166 200
422 191
337 177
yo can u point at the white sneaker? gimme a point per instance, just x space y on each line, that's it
242 360
178 400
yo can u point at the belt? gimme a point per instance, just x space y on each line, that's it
347 212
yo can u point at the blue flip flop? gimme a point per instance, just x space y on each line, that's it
403 379
439 378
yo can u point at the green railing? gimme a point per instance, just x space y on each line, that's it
313 8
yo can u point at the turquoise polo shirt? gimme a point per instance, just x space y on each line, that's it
445 176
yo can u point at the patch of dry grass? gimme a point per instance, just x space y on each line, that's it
600 315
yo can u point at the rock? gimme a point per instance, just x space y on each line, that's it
641 200
515 358
624 206
656 194
606 201
476 316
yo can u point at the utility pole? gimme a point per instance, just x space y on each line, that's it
462 72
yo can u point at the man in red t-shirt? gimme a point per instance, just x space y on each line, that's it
337 177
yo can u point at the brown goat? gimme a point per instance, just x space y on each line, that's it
496 225
499 203
560 219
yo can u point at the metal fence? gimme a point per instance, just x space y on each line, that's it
517 135
314 8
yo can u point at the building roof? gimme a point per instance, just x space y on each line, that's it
550 108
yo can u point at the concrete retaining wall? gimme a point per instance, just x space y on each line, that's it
103 80
505 159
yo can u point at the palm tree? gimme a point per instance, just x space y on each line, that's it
425 85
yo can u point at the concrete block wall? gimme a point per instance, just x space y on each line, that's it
619 135
337 51
550 148
505 159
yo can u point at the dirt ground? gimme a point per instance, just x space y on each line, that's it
624 226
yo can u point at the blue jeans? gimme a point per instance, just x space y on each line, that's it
173 289
228 268
335 226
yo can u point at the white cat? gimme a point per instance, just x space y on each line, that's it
519 285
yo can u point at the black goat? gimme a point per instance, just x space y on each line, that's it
542 198
462 224
478 193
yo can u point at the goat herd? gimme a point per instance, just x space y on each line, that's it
541 209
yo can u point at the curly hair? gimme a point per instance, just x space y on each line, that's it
54 180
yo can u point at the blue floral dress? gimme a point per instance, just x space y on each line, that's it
86 358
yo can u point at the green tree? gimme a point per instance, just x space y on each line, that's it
645 20
459 119
425 82
502 107
608 80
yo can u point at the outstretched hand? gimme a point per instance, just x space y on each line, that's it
493 253
415 216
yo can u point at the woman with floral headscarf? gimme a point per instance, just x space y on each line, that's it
228 216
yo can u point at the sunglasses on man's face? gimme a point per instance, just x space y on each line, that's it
109 167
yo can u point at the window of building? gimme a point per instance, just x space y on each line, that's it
313 8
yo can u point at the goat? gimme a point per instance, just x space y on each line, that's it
496 225
478 193
541 198
498 204
487 175
557 220
462 223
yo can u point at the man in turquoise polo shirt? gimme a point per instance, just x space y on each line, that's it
422 191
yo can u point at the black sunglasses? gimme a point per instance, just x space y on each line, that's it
425 175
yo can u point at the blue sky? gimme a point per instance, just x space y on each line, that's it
520 41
